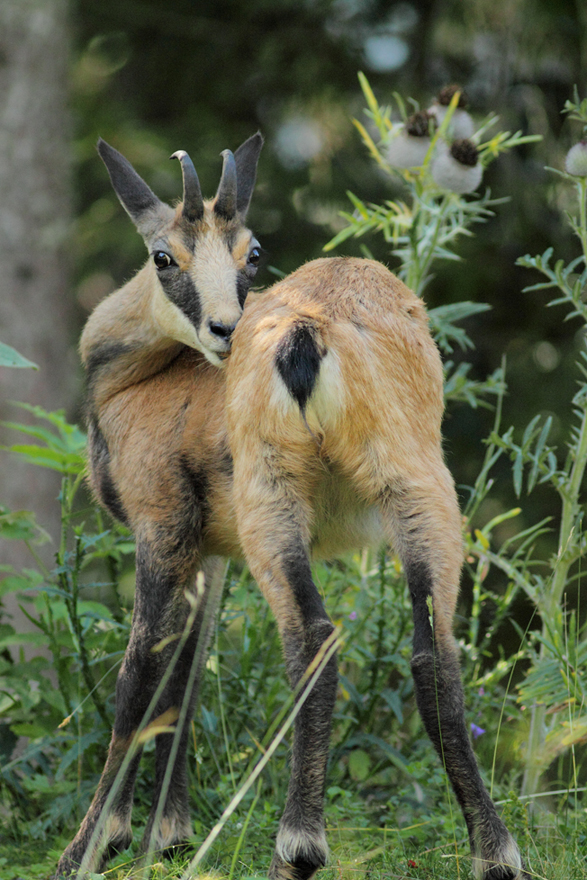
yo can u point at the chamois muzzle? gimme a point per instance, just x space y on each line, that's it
193 203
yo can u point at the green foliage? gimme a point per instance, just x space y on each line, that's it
577 109
557 652
60 698
60 447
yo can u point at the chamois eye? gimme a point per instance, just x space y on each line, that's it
254 257
162 260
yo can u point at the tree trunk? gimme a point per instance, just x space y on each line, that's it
36 306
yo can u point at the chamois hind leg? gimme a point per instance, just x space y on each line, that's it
160 610
169 822
424 525
279 561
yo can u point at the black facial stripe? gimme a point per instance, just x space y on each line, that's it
242 287
180 289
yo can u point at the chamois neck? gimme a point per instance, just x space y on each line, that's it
122 344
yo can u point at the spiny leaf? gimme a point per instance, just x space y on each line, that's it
368 92
370 144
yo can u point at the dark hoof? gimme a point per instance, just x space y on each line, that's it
114 848
504 872
301 869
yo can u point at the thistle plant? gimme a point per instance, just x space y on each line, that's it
439 156
437 169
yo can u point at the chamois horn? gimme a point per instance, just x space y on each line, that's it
193 203
226 196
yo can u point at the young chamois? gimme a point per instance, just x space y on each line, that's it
321 434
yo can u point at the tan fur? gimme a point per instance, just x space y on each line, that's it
376 414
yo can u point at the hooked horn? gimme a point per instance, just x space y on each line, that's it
226 196
193 203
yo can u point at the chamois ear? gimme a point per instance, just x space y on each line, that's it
246 158
138 200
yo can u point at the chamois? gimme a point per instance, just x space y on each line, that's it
320 434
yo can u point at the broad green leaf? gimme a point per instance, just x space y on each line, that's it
65 463
19 583
9 357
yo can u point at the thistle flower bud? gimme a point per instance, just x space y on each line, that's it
576 161
461 125
457 168
408 149
418 125
447 93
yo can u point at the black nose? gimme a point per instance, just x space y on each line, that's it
223 331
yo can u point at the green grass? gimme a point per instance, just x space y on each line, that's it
555 848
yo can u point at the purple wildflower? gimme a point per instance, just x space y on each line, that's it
353 615
476 730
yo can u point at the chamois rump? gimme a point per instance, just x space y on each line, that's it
320 434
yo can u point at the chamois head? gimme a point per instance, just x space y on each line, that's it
202 256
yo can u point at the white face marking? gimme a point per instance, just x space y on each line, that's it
171 321
214 273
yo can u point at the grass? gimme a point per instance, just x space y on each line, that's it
555 848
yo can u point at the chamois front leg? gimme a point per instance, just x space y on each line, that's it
169 824
279 561
425 528
160 613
